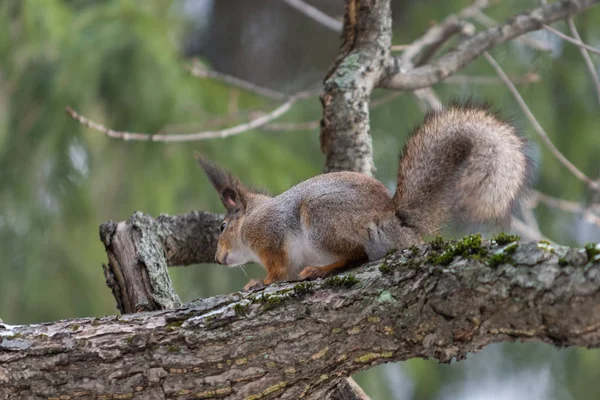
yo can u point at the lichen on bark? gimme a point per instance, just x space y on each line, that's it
313 335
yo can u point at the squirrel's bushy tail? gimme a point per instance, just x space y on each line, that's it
462 163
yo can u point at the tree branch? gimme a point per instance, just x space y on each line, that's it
295 341
422 49
492 80
526 40
473 47
590 214
576 42
586 57
315 14
199 71
345 138
525 230
309 125
187 137
538 127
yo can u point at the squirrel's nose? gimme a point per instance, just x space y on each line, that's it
224 259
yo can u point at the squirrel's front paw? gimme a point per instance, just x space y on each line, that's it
311 273
254 284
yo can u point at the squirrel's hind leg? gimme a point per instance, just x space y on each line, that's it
321 272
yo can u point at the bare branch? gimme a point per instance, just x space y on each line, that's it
315 14
526 40
571 40
569 206
188 137
427 99
492 80
423 48
211 123
383 100
309 125
473 47
525 230
529 217
199 71
292 126
538 128
586 56
400 47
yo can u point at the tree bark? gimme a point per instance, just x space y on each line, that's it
345 127
140 249
299 340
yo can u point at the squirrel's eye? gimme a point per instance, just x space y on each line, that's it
223 225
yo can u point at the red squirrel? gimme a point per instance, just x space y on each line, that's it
463 163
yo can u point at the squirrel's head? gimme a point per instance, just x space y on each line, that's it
231 249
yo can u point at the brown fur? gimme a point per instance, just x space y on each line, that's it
304 213
462 163
321 272
275 263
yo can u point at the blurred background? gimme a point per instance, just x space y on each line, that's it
123 62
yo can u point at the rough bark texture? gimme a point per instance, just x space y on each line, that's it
345 127
140 249
471 48
297 340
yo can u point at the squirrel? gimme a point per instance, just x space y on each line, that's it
463 163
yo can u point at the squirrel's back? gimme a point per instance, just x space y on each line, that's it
464 163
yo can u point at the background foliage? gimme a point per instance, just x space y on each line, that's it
123 62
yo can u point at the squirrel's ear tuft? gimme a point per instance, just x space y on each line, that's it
217 176
230 189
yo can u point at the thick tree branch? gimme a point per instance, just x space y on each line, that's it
140 249
298 340
345 137
473 47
